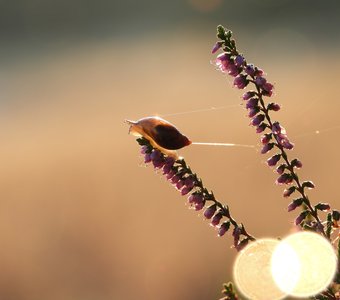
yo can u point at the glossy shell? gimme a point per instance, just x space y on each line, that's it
160 132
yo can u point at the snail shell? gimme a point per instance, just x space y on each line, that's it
160 133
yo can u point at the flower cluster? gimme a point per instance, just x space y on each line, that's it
274 135
180 175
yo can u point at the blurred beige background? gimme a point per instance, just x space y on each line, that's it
80 216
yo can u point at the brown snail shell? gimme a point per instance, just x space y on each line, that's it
160 133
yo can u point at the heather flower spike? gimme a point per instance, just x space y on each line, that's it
274 134
179 174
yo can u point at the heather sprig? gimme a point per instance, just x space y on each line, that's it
274 135
180 175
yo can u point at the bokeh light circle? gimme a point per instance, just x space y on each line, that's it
303 264
252 271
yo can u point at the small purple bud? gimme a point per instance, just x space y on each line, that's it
189 182
295 203
248 95
144 150
158 163
223 61
296 163
169 161
284 178
301 217
267 147
284 142
210 211
281 168
273 160
265 139
241 81
262 127
196 201
216 219
257 120
276 128
253 112
273 106
241 245
233 70
260 81
289 191
236 235
175 179
258 71
179 184
156 155
239 60
250 70
252 103
199 206
147 158
268 88
170 174
223 228
185 190
166 169
216 47
323 206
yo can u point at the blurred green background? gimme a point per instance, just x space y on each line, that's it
80 216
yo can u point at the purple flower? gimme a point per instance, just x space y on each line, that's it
295 203
171 173
217 46
289 191
253 112
273 106
179 184
284 141
267 89
296 163
185 190
239 60
144 150
265 139
250 70
273 160
284 178
241 81
223 61
167 169
175 179
252 103
233 70
216 219
262 127
210 211
258 71
248 95
267 147
301 217
147 158
156 154
223 228
276 128
260 81
196 200
257 120
281 168
189 182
